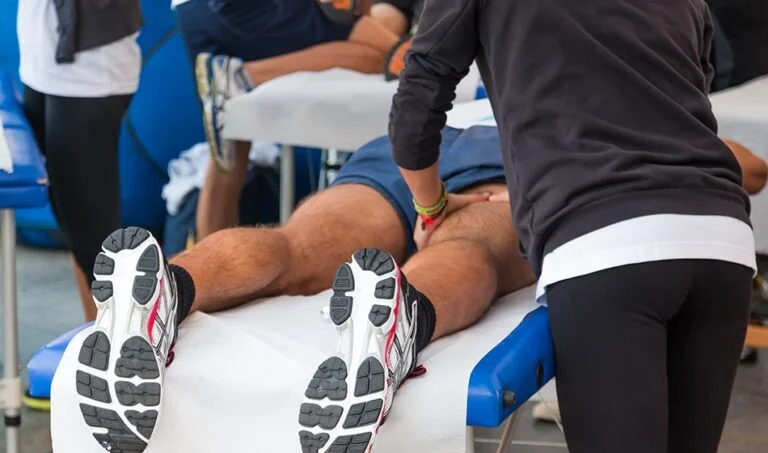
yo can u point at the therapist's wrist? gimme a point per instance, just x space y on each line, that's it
429 195
435 207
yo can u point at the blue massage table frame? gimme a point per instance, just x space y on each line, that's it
25 187
509 375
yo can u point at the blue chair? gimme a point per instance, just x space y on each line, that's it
23 187
42 367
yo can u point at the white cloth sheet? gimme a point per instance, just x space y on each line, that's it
338 108
238 378
6 162
742 114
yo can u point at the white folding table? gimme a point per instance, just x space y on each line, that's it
336 109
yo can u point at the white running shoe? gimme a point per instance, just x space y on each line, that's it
351 393
219 79
122 362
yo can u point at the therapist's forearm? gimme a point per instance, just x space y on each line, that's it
425 185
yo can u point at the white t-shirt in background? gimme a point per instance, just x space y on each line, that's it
108 70
175 3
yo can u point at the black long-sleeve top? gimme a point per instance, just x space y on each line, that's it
602 109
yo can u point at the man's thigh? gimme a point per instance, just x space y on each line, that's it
342 219
490 224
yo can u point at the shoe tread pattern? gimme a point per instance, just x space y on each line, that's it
147 394
341 304
137 359
118 438
125 239
370 377
312 415
375 260
329 381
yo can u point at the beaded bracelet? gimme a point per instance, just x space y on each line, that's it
432 212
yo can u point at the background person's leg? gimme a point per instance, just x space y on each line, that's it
219 202
81 141
219 197
33 105
610 334
321 57
238 265
476 250
705 341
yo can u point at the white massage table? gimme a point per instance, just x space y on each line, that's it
742 114
237 382
238 377
336 109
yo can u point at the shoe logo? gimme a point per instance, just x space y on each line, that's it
399 373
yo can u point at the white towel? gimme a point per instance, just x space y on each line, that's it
187 172
6 163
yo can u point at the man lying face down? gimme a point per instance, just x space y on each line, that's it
373 42
364 221
243 44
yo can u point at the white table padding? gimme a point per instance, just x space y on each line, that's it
742 114
337 108
238 379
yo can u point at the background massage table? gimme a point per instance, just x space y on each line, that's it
742 114
23 184
336 110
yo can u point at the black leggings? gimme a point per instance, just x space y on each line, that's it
645 355
79 138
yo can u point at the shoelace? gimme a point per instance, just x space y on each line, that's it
171 354
419 371
169 360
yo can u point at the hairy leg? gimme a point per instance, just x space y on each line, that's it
476 250
338 54
365 51
219 200
235 266
84 290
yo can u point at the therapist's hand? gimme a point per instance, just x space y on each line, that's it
502 197
422 232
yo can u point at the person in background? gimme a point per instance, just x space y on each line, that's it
739 55
744 24
80 66
237 45
629 208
